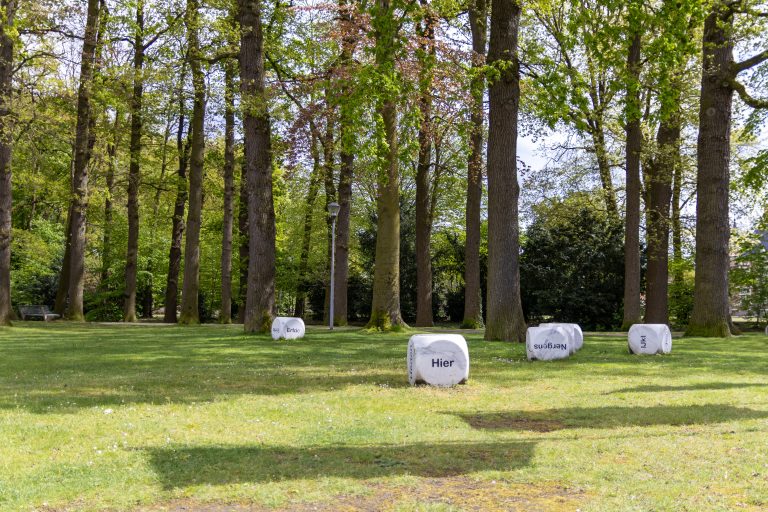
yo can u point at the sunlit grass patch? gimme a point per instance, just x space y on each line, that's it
163 418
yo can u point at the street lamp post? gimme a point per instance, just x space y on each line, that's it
333 210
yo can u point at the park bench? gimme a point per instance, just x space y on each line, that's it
37 313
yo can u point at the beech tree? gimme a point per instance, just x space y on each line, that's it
505 312
385 306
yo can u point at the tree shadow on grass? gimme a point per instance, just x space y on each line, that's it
651 388
218 465
609 417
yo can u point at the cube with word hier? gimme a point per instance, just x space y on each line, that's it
438 359
649 339
547 343
286 327
574 332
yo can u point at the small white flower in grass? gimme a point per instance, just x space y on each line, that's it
108 411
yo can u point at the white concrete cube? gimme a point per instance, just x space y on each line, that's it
649 339
574 332
289 328
438 359
547 343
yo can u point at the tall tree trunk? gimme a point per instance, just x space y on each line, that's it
191 284
134 171
632 215
82 157
6 146
106 240
423 219
341 278
242 231
385 306
225 316
711 314
60 304
473 305
314 185
346 170
661 170
260 301
177 230
505 319
329 146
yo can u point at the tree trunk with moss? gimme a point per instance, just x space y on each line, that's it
711 305
385 306
505 319
6 147
260 300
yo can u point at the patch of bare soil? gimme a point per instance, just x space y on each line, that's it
462 493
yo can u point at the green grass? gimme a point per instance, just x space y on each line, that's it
169 418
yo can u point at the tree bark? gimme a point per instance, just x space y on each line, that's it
505 319
661 170
632 214
329 145
711 307
82 157
177 229
60 304
423 219
134 171
473 307
225 316
341 279
260 300
346 170
385 306
314 185
191 285
6 147
242 229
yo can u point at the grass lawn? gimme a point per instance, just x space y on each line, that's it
158 418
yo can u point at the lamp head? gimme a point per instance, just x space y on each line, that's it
333 209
